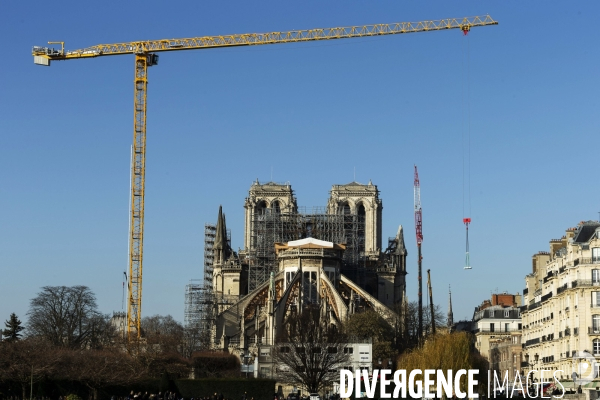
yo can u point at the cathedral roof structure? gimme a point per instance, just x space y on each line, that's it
310 243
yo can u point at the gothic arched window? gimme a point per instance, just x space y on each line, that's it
260 207
276 207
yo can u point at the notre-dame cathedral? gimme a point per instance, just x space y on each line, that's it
330 257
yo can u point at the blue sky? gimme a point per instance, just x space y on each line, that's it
307 113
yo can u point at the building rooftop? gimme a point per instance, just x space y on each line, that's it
585 231
309 243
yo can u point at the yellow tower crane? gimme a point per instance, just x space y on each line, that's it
145 57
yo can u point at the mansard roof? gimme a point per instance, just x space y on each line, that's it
585 231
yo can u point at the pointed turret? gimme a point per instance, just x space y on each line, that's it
401 249
450 317
221 247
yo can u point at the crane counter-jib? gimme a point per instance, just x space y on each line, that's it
43 55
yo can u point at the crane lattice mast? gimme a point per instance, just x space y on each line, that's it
419 232
431 306
145 56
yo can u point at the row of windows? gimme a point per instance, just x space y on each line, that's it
316 350
492 313
507 327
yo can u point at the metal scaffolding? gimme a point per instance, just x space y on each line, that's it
269 227
199 296
196 299
199 315
210 231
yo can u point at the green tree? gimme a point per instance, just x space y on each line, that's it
370 325
13 328
443 352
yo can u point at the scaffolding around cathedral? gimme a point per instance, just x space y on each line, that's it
210 231
199 297
198 305
270 227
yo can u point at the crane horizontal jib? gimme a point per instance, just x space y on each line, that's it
249 39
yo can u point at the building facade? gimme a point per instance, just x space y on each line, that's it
506 354
561 313
494 320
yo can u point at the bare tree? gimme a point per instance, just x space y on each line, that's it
98 368
26 361
164 348
68 316
310 351
411 322
195 338
163 333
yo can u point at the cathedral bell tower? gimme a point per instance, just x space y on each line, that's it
263 198
363 201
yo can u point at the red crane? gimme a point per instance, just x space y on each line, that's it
419 231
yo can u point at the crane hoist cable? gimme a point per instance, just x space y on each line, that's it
466 144
145 57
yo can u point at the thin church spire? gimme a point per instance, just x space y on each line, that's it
450 317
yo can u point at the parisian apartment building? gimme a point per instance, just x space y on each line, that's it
496 319
561 311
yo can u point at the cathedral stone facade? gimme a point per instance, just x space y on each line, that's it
331 258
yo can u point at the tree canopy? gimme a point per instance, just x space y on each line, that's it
68 316
453 351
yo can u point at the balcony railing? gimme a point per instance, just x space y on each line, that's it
531 342
594 330
561 289
496 330
585 283
546 296
534 306
567 332
584 260
522 308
